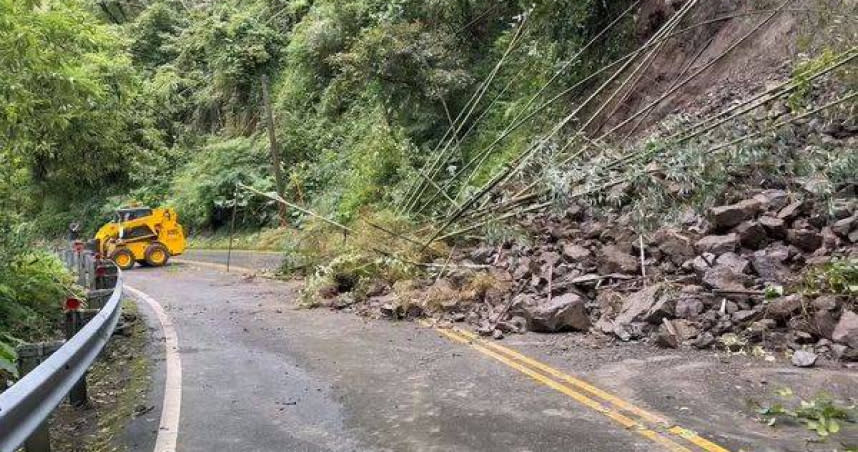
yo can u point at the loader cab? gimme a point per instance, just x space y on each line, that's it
130 214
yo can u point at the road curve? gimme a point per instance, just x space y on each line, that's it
260 375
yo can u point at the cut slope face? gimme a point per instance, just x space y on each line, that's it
767 37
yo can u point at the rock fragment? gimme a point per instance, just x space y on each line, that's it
803 358
805 239
725 217
564 312
846 331
614 260
718 244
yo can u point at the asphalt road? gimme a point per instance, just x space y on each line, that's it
260 375
239 259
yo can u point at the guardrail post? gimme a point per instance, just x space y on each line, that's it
29 357
77 395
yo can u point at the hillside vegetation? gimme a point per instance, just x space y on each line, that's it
394 119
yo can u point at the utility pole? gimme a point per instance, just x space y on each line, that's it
275 154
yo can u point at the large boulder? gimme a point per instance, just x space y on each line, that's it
564 312
718 244
726 217
844 226
752 235
775 227
650 302
784 307
806 240
846 331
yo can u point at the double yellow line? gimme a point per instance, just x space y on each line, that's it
220 267
629 416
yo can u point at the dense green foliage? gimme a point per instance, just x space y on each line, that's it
363 91
160 102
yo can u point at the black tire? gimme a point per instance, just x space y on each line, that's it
124 258
156 255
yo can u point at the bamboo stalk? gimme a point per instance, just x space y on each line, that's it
514 123
620 180
480 93
697 73
279 199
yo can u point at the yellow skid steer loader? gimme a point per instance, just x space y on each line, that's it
141 234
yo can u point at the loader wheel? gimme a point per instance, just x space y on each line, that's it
124 258
157 255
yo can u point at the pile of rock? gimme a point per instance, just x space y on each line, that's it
719 275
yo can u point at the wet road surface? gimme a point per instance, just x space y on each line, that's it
259 375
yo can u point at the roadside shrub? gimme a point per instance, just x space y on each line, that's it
205 188
32 287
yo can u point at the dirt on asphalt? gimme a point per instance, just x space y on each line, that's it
314 380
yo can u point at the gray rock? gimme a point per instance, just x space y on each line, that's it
638 305
735 262
843 208
784 307
846 331
700 264
826 303
666 336
769 267
725 217
752 235
775 227
791 211
772 199
718 244
802 358
761 327
482 254
664 308
614 260
524 269
805 239
575 252
629 331
688 307
721 277
564 312
824 323
704 341
675 246
844 226
743 316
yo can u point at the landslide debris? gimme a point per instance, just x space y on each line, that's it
775 269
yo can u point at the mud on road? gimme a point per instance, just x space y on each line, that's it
259 374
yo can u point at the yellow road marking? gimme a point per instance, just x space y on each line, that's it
572 380
216 266
700 441
238 250
625 421
530 366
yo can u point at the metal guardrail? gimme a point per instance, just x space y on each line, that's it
26 406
